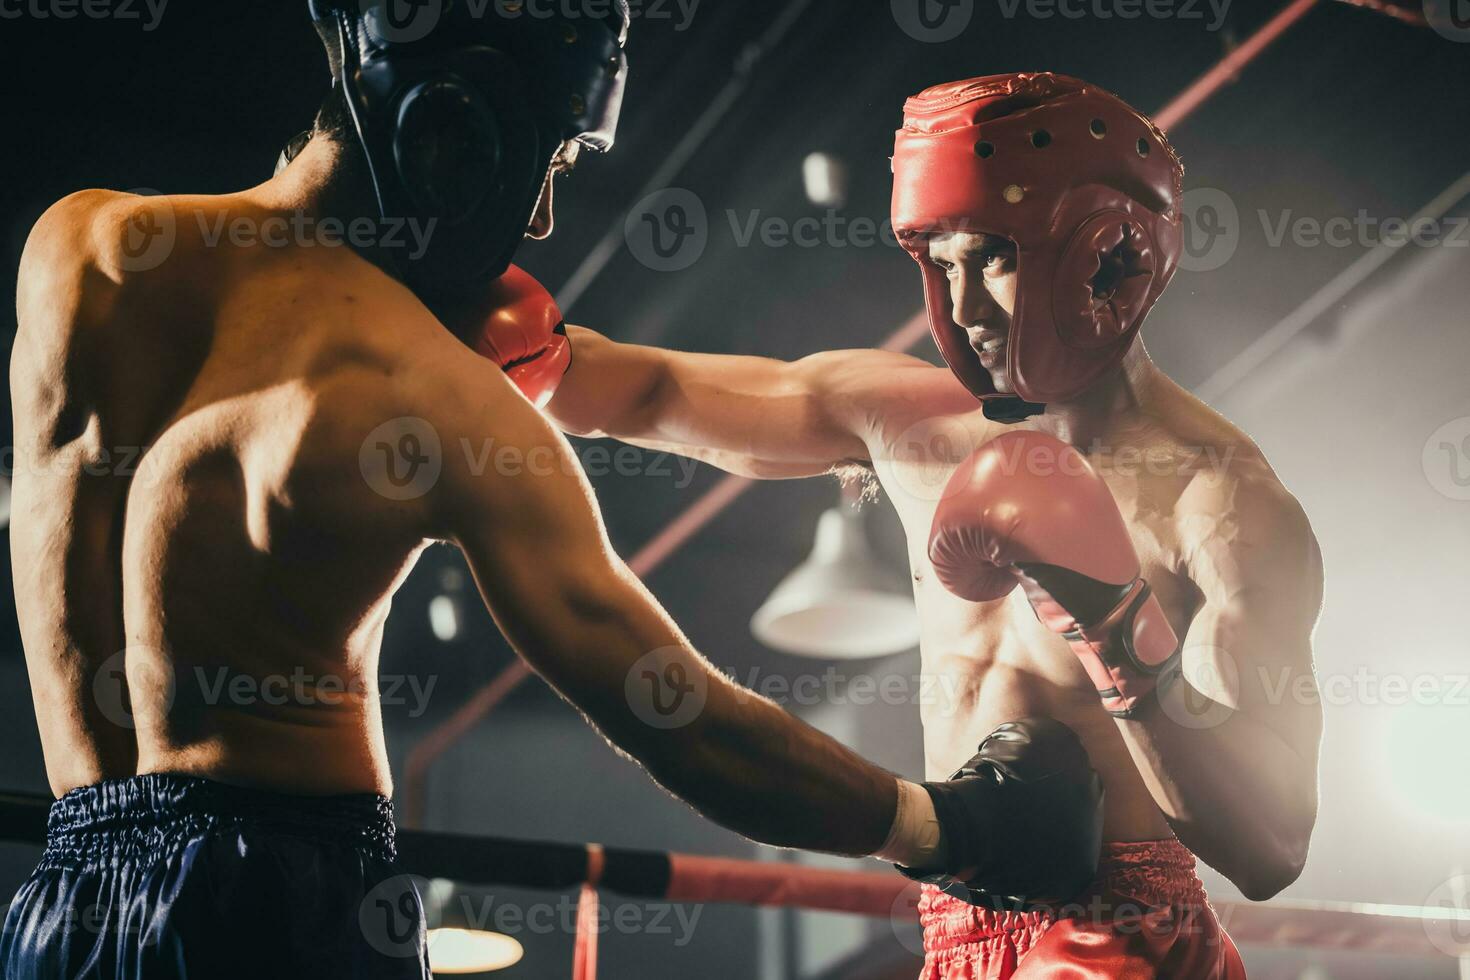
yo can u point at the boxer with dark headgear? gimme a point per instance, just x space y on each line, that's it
1151 542
465 135
202 626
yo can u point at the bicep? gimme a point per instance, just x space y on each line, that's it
1250 645
513 497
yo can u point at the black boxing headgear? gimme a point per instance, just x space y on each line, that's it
460 109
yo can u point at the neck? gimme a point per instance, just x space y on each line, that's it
322 183
1109 403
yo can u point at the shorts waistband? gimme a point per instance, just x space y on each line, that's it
1161 872
141 816
1131 878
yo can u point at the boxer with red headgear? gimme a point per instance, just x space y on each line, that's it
1088 191
1153 546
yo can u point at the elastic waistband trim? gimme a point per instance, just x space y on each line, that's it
128 818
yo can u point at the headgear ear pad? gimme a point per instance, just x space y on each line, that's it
445 130
467 156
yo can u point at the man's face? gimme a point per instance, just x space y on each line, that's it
543 221
982 285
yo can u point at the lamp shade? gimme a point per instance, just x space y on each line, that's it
459 944
841 603
470 951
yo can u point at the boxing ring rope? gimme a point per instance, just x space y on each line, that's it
1210 82
1425 932
715 501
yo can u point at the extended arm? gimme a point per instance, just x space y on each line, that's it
572 609
754 416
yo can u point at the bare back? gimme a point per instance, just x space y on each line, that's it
203 573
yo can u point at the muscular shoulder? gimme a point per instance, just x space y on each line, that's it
82 256
108 231
60 252
878 394
1242 530
70 222
64 293
875 374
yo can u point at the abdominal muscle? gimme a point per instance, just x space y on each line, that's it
992 663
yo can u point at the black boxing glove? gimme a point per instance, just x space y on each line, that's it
1021 821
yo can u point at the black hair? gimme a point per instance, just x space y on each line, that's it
334 118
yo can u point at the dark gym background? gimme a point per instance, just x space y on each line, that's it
1349 111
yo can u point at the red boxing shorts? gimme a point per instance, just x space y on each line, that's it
1145 916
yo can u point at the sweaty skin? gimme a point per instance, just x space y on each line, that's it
1226 548
204 565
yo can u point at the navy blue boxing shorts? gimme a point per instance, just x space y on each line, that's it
173 876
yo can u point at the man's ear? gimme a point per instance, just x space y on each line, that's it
292 150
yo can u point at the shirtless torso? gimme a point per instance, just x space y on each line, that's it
188 491
996 660
1230 767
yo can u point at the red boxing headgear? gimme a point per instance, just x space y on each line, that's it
1086 187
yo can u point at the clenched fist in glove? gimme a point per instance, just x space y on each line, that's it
519 327
1027 508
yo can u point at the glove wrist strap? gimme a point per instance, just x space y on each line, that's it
915 838
1127 651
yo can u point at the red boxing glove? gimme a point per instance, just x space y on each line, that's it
522 330
1029 508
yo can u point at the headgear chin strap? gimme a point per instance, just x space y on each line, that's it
460 109
1087 189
